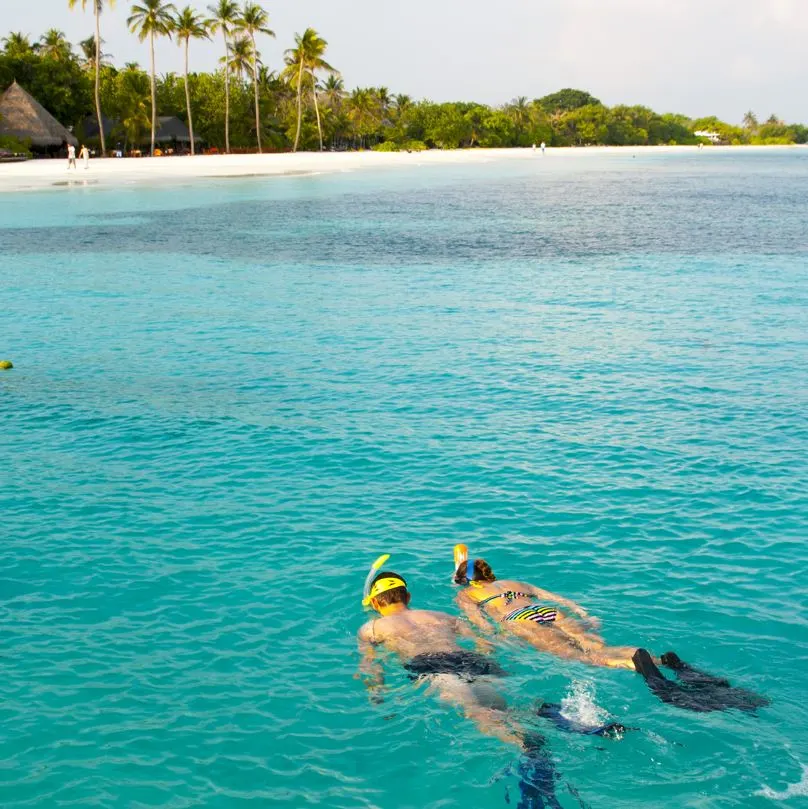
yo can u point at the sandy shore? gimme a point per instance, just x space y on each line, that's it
40 174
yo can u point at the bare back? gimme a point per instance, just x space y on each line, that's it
414 632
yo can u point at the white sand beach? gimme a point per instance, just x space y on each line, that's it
40 174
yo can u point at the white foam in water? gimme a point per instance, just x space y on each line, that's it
579 704
798 790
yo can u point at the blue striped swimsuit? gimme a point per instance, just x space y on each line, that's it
532 612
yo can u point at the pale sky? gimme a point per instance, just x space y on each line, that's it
698 57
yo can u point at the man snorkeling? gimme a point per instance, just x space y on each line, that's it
534 615
426 642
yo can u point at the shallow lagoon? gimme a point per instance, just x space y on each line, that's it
229 397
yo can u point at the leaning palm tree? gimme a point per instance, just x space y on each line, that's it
98 6
254 20
151 19
303 62
224 18
189 25
53 45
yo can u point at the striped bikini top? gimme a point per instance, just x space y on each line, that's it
508 595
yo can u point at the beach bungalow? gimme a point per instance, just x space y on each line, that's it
172 133
24 118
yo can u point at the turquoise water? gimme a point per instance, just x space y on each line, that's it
229 397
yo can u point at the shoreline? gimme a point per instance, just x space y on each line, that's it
37 175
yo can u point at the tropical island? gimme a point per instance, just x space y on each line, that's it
247 106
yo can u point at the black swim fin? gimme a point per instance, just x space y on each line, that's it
537 775
552 712
694 690
719 687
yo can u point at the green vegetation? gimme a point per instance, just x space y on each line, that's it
14 145
246 106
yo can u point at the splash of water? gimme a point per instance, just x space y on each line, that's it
798 790
579 705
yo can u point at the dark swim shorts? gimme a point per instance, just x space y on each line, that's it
467 665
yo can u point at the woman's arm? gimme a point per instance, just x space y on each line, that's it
472 610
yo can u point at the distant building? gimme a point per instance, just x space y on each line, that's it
713 137
171 132
24 118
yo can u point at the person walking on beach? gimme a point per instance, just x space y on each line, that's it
84 154
71 156
542 147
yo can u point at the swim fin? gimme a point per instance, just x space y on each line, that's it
548 710
537 775
694 690
732 696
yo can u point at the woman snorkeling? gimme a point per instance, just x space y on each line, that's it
533 615
536 616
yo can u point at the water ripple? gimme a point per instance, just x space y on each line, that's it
228 400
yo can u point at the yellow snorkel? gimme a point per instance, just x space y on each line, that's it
374 569
461 554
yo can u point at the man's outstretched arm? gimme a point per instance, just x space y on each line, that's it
370 669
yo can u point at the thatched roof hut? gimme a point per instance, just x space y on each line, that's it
23 117
171 129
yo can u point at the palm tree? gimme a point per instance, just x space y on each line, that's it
403 102
239 57
189 25
150 19
53 45
519 112
17 44
306 59
362 113
224 19
98 6
384 99
750 121
87 48
333 90
254 20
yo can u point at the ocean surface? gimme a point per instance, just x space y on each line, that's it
230 396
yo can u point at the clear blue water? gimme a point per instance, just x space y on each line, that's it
229 397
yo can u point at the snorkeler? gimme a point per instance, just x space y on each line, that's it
535 616
427 644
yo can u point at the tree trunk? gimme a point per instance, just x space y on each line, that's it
188 98
317 110
255 87
299 102
226 94
98 78
153 94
